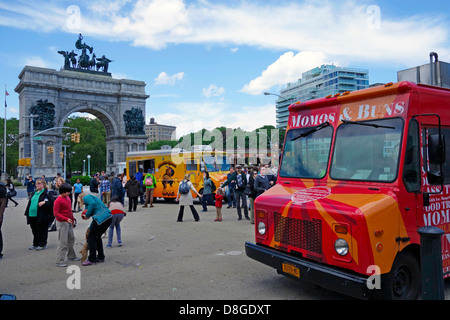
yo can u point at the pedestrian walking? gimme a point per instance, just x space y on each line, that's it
150 184
118 213
252 193
54 193
262 182
133 188
117 189
2 211
140 177
208 188
93 184
10 192
38 213
184 197
31 186
240 181
218 205
231 198
62 210
77 190
101 220
106 189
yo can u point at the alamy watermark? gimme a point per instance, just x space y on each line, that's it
238 146
373 21
74 280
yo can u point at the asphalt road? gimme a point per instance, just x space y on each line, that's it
160 259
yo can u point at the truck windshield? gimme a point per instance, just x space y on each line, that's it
306 152
367 151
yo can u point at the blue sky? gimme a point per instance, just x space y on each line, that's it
207 63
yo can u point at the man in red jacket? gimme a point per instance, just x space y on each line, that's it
62 210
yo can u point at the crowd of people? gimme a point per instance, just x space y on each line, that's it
51 206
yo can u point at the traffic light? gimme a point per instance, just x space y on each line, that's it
50 149
75 137
61 155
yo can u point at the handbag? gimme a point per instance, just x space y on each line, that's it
248 190
12 193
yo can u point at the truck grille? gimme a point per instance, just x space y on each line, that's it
302 234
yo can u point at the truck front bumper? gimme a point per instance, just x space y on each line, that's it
321 275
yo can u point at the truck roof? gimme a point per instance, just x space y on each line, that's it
388 88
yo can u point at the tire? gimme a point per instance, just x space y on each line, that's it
404 280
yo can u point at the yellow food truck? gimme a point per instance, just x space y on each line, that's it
170 166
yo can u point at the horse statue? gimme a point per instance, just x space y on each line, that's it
103 62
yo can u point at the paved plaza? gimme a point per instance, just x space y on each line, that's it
160 259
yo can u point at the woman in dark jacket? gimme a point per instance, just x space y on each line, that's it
38 213
133 188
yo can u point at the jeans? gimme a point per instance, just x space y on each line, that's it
115 223
207 199
240 195
231 197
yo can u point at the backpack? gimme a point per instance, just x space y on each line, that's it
184 187
148 181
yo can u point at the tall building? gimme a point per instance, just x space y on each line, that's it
158 132
319 82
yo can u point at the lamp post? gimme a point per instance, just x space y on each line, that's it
84 167
89 164
274 94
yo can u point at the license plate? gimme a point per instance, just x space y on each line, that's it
290 269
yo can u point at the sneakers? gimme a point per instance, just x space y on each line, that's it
87 263
61 264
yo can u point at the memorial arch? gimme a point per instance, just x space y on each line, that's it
51 96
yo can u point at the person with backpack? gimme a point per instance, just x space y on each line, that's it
240 180
184 197
150 184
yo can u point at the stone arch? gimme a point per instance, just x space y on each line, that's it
111 126
73 91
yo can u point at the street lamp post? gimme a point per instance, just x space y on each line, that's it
89 164
84 167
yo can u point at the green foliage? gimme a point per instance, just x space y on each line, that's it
158 144
92 142
12 144
83 179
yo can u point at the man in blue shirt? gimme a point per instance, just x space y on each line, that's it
31 185
140 177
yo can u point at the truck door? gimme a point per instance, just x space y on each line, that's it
412 175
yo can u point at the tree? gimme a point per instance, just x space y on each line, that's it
92 142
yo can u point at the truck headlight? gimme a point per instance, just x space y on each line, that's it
261 228
341 247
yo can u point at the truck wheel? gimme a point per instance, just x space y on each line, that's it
404 280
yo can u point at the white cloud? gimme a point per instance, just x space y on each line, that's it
164 78
338 29
213 91
288 68
36 61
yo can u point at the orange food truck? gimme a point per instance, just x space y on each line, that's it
360 173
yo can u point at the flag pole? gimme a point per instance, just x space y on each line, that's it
4 136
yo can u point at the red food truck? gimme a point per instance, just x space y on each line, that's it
360 172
